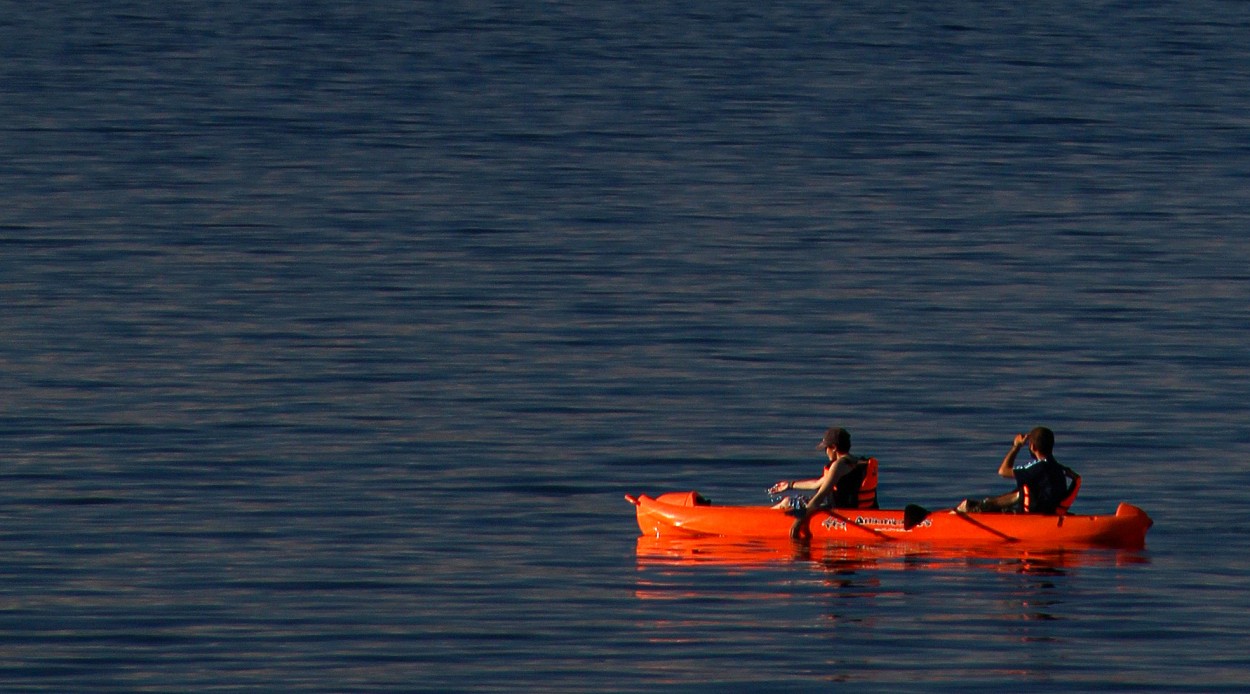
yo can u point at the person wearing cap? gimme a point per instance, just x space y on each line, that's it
1041 483
847 482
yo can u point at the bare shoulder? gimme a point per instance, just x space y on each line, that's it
845 464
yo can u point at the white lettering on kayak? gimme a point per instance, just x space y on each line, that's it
832 523
869 520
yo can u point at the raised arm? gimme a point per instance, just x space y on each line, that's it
1009 460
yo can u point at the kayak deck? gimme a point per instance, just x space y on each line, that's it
686 514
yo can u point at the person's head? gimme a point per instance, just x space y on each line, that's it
1042 441
838 439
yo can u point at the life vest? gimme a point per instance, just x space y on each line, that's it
1065 476
857 488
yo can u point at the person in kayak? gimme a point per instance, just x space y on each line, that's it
847 482
1041 483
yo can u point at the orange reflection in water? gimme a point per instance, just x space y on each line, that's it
756 553
687 583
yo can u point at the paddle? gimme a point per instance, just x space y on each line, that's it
914 515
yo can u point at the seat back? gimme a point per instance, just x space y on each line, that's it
868 488
1074 486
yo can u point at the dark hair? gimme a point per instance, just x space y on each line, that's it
1043 440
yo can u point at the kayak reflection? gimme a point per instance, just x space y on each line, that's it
757 553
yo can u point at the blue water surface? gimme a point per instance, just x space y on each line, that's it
334 335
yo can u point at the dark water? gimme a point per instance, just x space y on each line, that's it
334 333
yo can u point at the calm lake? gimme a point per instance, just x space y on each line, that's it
334 335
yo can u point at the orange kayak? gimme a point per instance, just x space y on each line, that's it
687 514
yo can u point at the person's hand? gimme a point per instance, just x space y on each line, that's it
1021 440
782 486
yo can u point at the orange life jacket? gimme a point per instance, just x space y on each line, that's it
858 488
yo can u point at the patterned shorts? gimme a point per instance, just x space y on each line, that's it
795 502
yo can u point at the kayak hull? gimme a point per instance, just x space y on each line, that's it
686 514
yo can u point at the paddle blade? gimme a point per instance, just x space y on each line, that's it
914 515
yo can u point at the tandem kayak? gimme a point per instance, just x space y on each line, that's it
688 514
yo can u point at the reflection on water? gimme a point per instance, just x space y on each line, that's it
836 558
854 573
879 611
